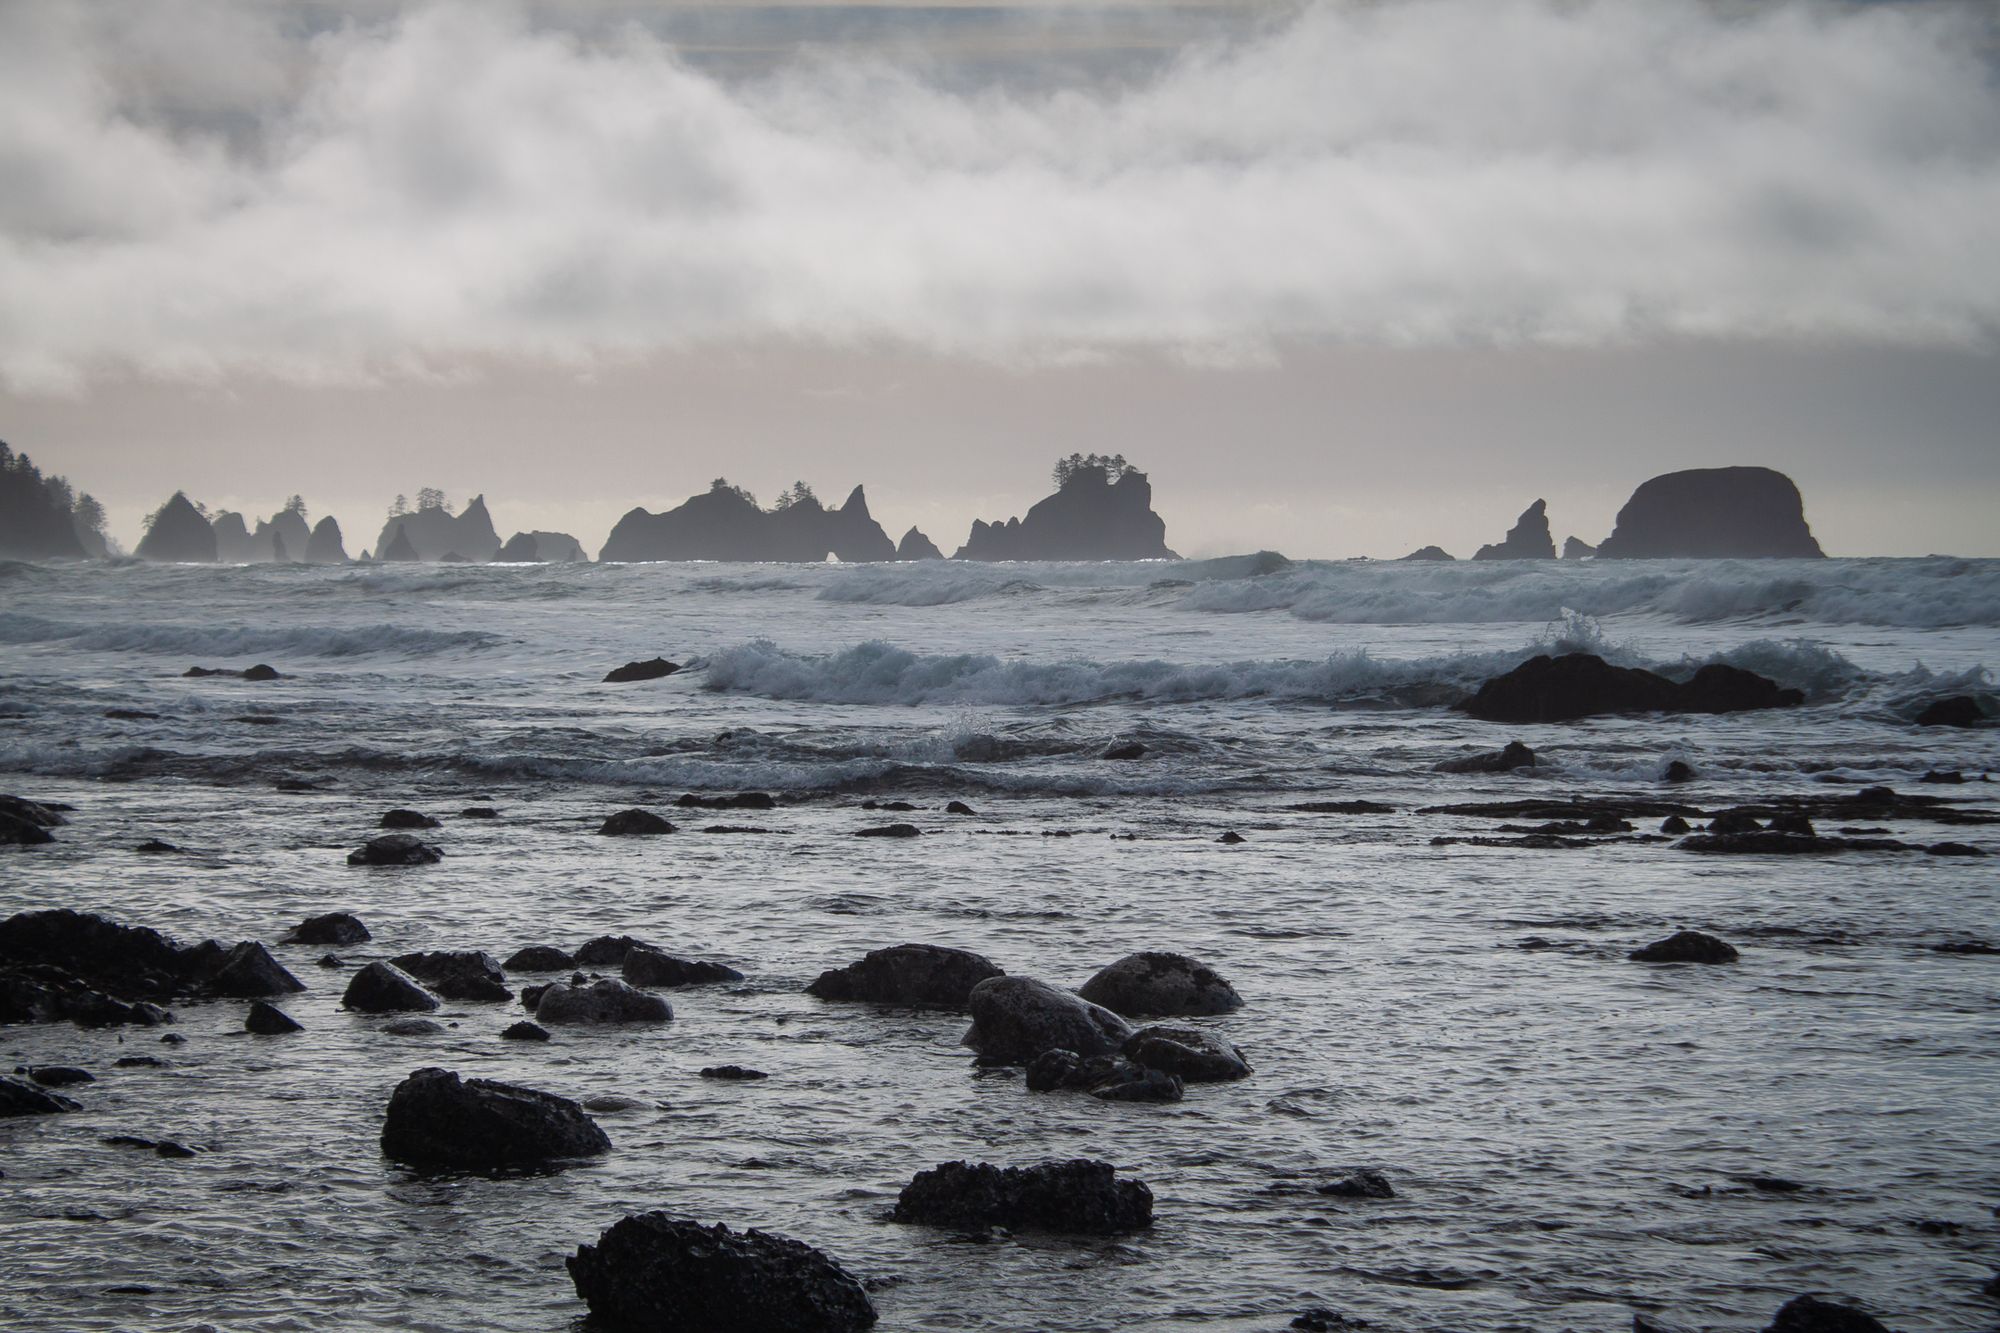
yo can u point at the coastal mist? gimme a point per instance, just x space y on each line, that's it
1466 1106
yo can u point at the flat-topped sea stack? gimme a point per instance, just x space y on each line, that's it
1714 513
726 523
1528 539
1092 516
178 533
433 532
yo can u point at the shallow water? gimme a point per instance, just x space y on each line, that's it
1563 1127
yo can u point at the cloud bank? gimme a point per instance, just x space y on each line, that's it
196 190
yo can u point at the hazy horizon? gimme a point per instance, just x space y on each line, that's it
1345 279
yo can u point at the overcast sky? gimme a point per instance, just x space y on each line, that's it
1345 278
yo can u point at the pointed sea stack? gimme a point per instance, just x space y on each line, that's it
324 546
725 523
916 546
433 532
1528 539
1713 513
1091 517
399 548
177 533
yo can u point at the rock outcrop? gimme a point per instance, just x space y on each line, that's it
64 952
1576 549
1577 685
921 976
381 988
1810 1314
435 533
652 668
324 545
21 1098
457 974
916 546
647 966
1713 513
1091 517
1528 539
177 533
437 1120
1080 1196
1189 1054
600 1001
1685 946
1015 1019
670 1274
1163 985
1430 553
549 547
725 523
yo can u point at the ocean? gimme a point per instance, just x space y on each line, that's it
1572 1137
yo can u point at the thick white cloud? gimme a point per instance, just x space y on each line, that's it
210 191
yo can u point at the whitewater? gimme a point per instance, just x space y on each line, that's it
1573 1137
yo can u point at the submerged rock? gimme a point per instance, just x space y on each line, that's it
634 823
889 831
650 669
600 1001
1809 1314
22 1098
1080 1196
1190 1054
395 849
457 974
1724 513
539 958
1960 710
328 928
923 976
742 800
1514 755
1015 1019
669 1274
267 1020
644 966
1578 685
524 1031
1165 984
733 1074
381 988
1366 1183
409 819
1685 946
435 1119
56 1076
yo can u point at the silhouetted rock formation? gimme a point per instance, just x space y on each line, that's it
281 537
725 523
399 548
324 546
554 547
1713 513
39 518
1090 518
1528 539
916 546
232 538
1576 549
178 533
1430 553
1576 685
435 1119
433 532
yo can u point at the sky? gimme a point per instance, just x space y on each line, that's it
1346 278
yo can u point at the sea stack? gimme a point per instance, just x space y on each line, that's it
1528 539
1713 513
726 523
177 533
433 532
1090 517
916 546
324 546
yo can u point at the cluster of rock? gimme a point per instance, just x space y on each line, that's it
1741 513
1579 685
60 965
179 532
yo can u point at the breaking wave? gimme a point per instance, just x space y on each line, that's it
243 640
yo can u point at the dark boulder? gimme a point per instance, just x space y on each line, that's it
21 829
1080 1196
479 812
1577 685
1323 1319
651 669
1366 1183
267 1020
1140 1085
247 970
668 1274
539 958
395 849
1675 825
1015 1019
524 1031
644 966
609 950
1725 513
410 819
923 976
1231 838
1514 755
742 800
22 1098
1528 539
959 808
1791 821
437 1120
329 928
1164 984
381 988
1809 1314
1960 710
1125 750
733 1074
1953 849
1189 1054
1685 946
1677 771
56 1076
457 974
154 847
1733 821
889 831
600 1001
634 823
